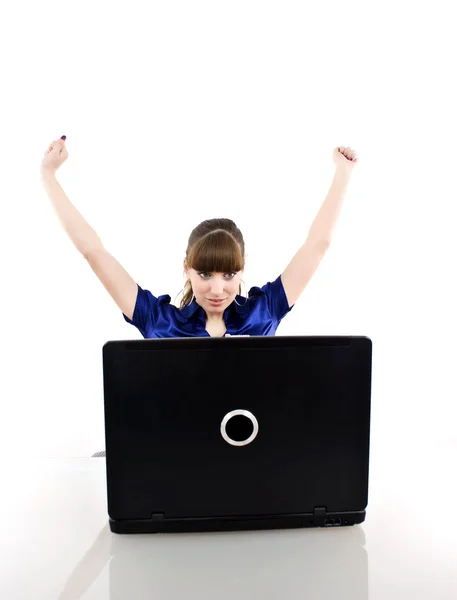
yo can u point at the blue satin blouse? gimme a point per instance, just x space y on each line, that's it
260 314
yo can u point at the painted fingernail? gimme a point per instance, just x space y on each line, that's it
64 137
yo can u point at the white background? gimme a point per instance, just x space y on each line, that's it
176 112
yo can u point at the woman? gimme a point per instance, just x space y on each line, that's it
212 304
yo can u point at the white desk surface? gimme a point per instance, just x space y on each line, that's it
56 543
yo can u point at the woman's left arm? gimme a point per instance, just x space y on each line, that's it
323 225
303 265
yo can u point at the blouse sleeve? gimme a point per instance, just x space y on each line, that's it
277 303
145 313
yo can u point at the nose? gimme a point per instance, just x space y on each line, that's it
217 288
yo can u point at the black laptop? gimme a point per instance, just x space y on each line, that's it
236 433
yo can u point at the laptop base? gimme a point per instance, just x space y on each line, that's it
162 525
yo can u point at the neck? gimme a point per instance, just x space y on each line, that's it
210 318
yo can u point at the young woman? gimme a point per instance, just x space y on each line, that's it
212 304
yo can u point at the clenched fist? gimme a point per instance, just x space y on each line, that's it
55 155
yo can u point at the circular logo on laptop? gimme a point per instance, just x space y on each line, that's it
239 427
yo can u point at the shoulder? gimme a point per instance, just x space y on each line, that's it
273 296
270 288
148 310
151 302
270 291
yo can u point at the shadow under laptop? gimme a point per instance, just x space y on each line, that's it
326 563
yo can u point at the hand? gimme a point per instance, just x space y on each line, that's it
55 155
345 158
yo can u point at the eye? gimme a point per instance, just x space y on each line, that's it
232 273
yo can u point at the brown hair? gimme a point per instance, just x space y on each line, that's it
216 245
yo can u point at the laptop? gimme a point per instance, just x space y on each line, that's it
237 433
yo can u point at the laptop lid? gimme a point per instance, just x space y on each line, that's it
229 427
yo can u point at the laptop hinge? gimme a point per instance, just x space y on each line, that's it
320 511
321 517
157 516
320 514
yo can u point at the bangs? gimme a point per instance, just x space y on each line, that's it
216 252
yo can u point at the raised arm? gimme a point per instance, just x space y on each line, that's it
119 284
303 265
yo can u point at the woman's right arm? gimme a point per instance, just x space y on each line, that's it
118 283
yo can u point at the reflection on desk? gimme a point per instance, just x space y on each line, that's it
56 542
301 563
